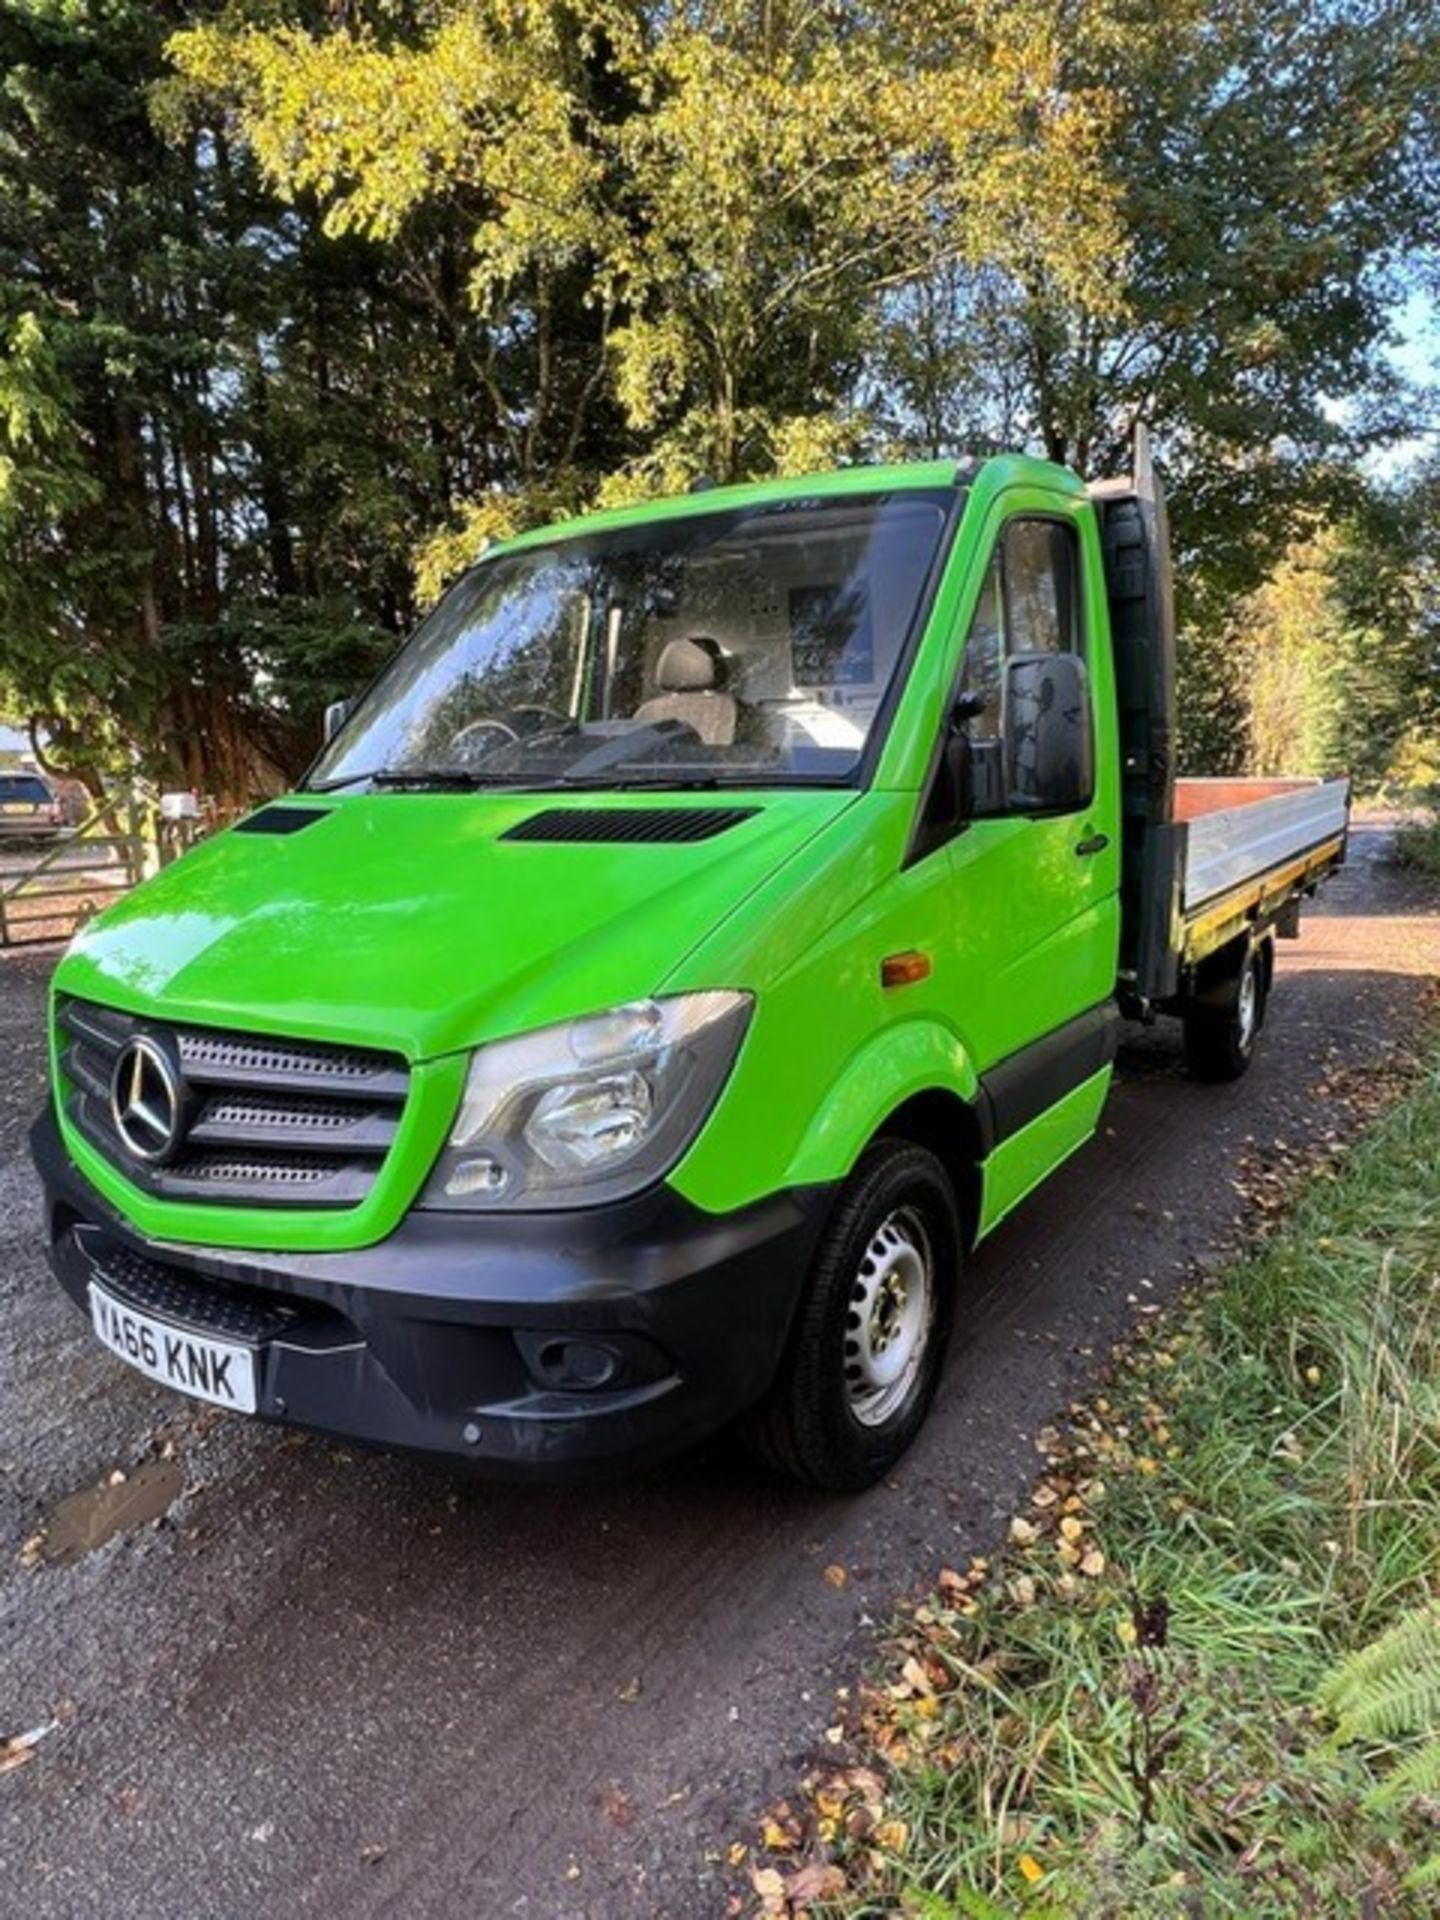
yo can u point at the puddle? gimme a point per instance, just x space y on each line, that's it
86 1520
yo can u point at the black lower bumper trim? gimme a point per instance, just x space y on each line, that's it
546 1346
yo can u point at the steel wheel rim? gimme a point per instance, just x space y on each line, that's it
889 1317
1246 1005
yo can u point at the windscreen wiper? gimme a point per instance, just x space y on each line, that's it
436 780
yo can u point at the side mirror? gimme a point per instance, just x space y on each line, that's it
1049 734
336 714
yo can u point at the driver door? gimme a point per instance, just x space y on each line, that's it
1036 896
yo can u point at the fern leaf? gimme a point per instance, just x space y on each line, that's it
1402 1703
1402 1666
1417 1774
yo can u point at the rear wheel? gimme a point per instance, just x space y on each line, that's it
1220 1032
865 1353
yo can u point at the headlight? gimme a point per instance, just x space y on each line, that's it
591 1110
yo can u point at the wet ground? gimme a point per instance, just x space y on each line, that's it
283 1678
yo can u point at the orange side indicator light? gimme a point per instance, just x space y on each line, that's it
904 969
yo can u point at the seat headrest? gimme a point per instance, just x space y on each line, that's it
689 666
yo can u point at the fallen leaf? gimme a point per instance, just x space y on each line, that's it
1023 1532
1072 1528
916 1677
892 1835
1093 1562
770 1886
617 1806
20 1747
836 1575
1031 1868
819 1881
775 1838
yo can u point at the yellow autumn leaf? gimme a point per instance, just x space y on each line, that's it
1031 1868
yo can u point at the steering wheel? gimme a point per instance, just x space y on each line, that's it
532 719
466 743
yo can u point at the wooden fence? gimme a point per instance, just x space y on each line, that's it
48 895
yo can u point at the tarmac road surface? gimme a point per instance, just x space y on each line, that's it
326 1683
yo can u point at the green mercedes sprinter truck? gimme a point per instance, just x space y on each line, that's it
713 921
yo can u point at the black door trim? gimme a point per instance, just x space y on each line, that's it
1025 1084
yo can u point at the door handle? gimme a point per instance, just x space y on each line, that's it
1092 843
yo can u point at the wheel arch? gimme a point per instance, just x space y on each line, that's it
955 1132
917 1082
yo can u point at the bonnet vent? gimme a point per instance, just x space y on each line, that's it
672 824
281 819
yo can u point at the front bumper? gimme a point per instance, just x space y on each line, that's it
478 1337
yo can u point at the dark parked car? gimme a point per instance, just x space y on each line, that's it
30 807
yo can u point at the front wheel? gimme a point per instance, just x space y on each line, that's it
864 1356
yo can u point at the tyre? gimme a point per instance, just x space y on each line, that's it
1220 1033
864 1356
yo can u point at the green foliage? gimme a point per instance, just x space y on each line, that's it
1389 1692
1259 1481
1337 653
1417 845
1392 1686
298 303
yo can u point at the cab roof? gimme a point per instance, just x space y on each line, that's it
995 472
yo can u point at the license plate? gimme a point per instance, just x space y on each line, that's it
213 1370
17 806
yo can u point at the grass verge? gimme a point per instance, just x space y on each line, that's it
1120 1717
1417 844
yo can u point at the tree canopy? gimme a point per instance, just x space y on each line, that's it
299 301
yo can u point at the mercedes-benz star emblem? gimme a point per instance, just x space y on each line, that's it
145 1102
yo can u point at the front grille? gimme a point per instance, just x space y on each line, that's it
266 1122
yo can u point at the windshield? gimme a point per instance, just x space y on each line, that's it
737 647
23 786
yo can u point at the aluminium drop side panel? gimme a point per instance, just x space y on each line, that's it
1238 844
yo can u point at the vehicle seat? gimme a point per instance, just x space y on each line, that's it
689 675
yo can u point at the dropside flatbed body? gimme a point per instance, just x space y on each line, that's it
1250 851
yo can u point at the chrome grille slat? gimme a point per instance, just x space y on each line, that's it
253 1061
270 1121
247 1119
